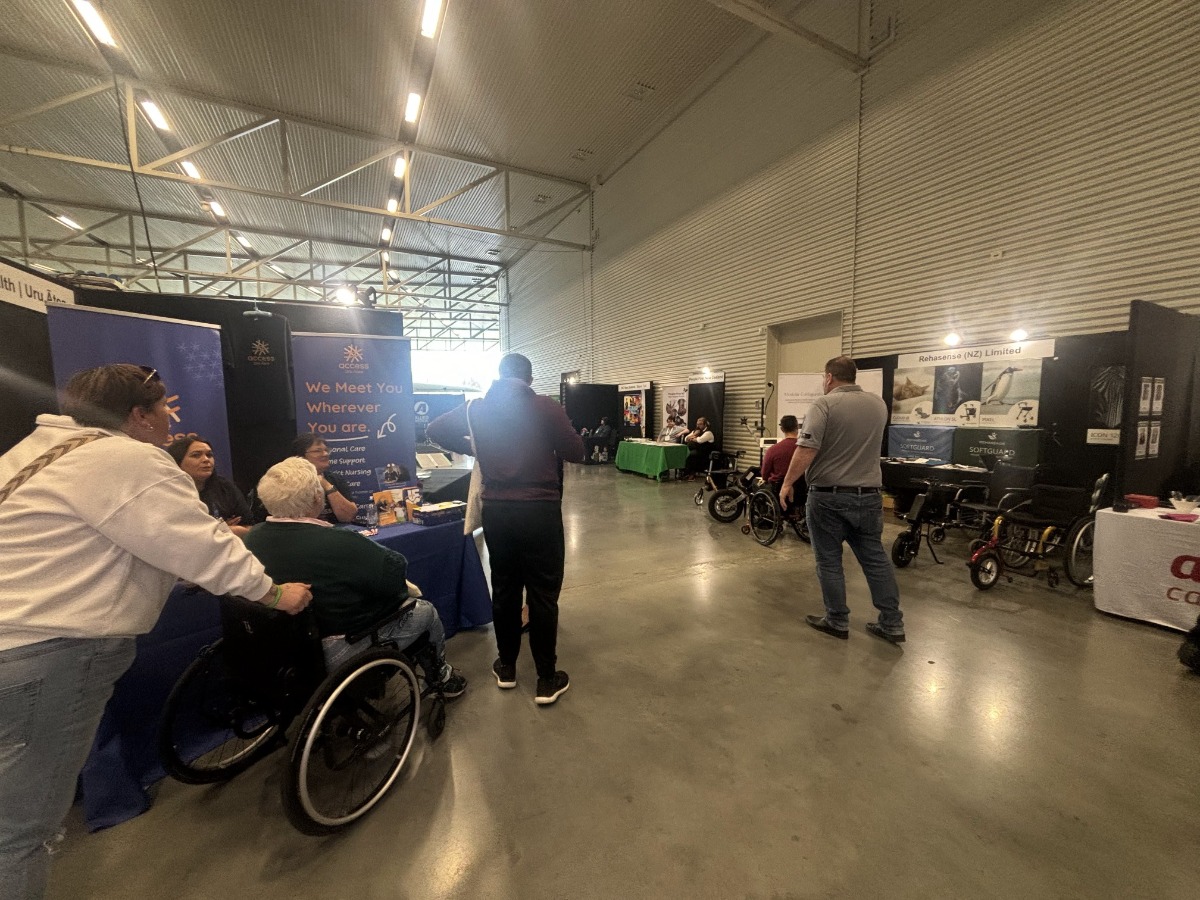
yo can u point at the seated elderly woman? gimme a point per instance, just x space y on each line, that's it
224 501
355 582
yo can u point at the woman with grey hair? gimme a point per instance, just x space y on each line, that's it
96 522
355 581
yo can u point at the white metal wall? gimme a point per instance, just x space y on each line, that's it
1023 163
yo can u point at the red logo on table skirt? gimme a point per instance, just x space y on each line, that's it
1186 567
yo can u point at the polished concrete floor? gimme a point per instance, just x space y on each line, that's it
712 745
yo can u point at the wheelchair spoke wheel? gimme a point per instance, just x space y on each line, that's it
799 524
355 735
212 727
904 548
986 570
1018 547
765 517
1079 552
725 505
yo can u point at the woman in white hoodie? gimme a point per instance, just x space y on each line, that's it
96 522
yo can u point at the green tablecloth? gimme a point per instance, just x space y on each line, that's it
650 459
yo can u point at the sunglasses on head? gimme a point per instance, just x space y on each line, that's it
151 375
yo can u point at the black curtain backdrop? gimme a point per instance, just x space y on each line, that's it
1164 344
586 403
26 375
707 399
888 364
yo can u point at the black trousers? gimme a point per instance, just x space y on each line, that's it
527 550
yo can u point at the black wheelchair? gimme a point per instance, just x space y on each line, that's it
234 704
766 519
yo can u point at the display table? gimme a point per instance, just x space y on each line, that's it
904 480
650 458
1147 568
124 757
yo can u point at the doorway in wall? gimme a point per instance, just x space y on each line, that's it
803 345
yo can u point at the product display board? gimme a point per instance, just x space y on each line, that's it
674 403
1020 446
924 441
797 391
634 408
1147 568
997 386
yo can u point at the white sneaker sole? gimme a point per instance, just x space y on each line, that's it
504 685
546 701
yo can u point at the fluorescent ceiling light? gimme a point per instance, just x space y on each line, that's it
190 169
155 115
94 21
953 339
70 223
1019 335
429 18
412 108
241 239
344 295
401 165
386 234
392 204
217 209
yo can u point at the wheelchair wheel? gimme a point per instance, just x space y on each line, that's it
937 535
904 548
986 570
355 735
698 498
212 728
1079 552
725 505
800 526
1018 547
765 517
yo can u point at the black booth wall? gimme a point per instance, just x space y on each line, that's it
707 399
585 404
26 373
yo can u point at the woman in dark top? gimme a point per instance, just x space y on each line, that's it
224 501
338 505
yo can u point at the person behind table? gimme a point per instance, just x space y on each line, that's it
338 505
678 430
697 442
93 543
355 581
224 501
598 440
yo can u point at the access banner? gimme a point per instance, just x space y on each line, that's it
355 392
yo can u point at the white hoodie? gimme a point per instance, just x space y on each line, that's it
91 545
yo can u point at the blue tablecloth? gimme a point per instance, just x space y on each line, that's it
124 757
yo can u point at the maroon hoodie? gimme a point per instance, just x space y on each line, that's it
519 437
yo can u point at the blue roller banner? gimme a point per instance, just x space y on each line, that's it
355 391
427 407
929 441
187 356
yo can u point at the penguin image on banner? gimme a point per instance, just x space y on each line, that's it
1010 392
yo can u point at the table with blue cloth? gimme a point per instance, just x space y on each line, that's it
124 758
650 458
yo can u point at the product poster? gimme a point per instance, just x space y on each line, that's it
1147 392
1010 393
675 402
1155 433
1156 402
1106 402
1143 439
633 408
912 396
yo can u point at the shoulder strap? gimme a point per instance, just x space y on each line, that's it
58 451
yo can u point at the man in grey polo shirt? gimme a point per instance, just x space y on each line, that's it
838 450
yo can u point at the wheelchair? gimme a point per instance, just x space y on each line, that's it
234 704
720 467
1025 538
766 519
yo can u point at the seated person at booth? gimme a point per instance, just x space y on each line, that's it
598 441
355 581
224 501
664 435
678 431
699 443
338 505
779 456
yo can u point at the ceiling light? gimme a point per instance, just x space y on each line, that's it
429 18
94 21
70 223
706 371
241 239
386 234
217 209
344 295
401 165
155 115
392 204
1019 335
412 108
953 339
190 168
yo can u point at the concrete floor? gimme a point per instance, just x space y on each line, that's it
712 745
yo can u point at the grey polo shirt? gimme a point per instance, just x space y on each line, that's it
845 427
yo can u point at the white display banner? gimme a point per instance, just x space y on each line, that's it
949 356
797 391
871 381
30 291
674 402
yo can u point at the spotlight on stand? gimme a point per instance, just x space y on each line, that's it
368 297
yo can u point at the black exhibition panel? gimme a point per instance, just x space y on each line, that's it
586 404
707 399
888 365
26 373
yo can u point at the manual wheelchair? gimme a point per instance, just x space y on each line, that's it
766 519
233 706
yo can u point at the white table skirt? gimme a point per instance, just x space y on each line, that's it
1148 568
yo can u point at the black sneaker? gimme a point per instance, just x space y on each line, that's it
822 624
506 676
892 637
550 689
455 685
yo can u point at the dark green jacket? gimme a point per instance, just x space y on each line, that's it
355 581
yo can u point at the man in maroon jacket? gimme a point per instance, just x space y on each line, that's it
779 455
521 441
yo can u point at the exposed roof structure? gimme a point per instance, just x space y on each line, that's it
267 138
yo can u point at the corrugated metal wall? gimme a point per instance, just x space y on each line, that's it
1033 164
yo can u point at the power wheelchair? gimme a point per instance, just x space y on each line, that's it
233 706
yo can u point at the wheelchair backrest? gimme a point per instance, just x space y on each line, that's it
1007 478
1098 491
279 654
1057 504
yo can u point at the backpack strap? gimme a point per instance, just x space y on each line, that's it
58 451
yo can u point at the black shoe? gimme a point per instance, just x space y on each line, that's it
454 686
892 637
822 624
550 689
506 676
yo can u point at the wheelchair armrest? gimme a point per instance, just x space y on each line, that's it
373 628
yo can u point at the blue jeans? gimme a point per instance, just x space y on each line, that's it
52 696
856 519
410 626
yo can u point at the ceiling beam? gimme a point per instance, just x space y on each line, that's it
54 104
231 135
774 22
